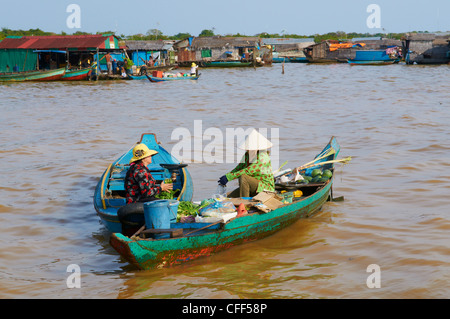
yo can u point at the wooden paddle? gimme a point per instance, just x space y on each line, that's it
204 227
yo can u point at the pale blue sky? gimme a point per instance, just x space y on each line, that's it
247 17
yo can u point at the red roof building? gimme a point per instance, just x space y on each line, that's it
29 53
60 42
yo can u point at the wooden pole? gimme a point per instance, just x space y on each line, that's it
97 66
282 67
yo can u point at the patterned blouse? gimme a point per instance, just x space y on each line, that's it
139 183
260 168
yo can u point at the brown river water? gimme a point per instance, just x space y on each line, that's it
57 139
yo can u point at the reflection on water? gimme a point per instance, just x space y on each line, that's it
58 138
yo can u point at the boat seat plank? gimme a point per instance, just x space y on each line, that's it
174 232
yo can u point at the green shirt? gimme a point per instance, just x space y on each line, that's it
260 168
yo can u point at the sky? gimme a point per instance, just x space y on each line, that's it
247 17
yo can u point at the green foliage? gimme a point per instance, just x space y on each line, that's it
181 36
5 32
206 33
155 34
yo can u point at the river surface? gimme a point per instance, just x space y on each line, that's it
56 140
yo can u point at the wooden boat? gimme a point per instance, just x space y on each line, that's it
171 78
144 70
51 75
226 64
194 240
110 191
76 75
372 57
290 60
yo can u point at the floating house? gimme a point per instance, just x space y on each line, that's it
427 48
225 51
29 53
330 51
153 53
288 49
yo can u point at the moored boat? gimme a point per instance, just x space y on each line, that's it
109 194
194 240
76 75
226 64
171 78
50 75
372 57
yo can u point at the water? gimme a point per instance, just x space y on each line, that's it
57 139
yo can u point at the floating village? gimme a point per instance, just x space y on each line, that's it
107 57
164 226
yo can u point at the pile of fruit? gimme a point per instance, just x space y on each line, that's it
317 176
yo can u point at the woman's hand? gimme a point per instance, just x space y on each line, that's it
165 187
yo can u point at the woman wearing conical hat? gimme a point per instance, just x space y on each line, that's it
140 185
255 169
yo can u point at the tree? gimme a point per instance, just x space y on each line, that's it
181 35
206 33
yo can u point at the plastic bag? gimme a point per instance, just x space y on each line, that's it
293 177
221 190
217 208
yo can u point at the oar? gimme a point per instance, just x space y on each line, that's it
343 161
312 164
326 154
204 227
276 171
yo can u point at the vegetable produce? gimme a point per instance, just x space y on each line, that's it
167 194
327 173
316 172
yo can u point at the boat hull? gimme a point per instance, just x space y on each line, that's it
290 60
226 64
51 75
148 254
353 62
76 75
175 78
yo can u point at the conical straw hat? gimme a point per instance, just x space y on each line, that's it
255 141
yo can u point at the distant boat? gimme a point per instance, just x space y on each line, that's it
290 60
50 75
76 75
226 64
148 70
171 78
372 57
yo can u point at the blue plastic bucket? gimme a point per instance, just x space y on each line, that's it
173 210
159 214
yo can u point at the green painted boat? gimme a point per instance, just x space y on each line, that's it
76 75
194 240
51 75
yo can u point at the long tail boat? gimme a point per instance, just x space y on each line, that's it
171 78
76 75
51 75
109 194
226 64
194 240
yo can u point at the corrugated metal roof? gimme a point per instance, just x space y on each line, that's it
281 41
224 42
55 42
366 39
155 45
